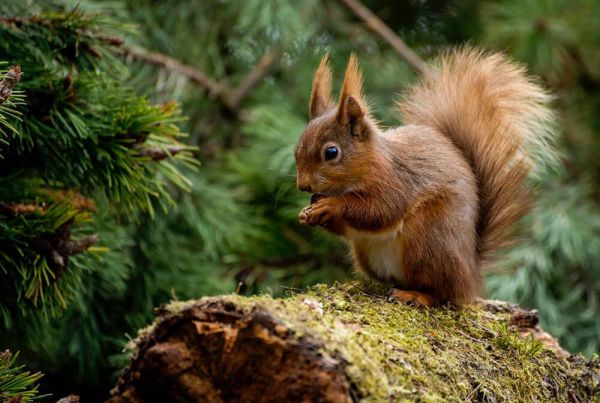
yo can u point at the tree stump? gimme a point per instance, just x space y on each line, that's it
348 343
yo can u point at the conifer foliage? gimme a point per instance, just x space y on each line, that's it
72 133
15 382
81 157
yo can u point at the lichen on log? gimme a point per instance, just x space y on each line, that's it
348 343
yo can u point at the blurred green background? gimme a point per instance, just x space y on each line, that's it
236 229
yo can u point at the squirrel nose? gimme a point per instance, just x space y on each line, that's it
304 186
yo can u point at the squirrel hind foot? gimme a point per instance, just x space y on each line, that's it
412 298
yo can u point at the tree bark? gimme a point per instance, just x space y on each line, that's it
348 343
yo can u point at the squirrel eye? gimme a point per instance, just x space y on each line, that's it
331 153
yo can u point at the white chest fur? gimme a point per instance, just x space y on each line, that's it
382 250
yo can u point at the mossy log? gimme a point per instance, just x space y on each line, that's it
348 343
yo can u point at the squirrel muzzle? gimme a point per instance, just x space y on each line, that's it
304 184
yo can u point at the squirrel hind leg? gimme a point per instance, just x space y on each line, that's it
412 298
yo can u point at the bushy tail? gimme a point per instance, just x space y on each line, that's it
500 119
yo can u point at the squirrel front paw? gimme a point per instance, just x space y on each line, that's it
303 216
326 212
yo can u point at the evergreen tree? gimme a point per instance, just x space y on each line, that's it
83 159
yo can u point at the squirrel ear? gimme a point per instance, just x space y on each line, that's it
353 113
352 106
351 110
320 96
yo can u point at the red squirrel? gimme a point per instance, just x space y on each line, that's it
426 205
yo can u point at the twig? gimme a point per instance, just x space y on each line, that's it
7 84
69 399
214 89
254 77
230 100
379 27
72 197
16 209
158 154
18 21
58 246
71 248
471 394
60 252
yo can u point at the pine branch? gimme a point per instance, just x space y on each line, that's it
71 248
69 399
158 153
379 27
115 41
16 383
229 99
75 199
19 21
254 77
16 209
60 249
214 89
57 247
11 78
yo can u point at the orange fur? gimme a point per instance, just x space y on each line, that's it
320 96
427 204
352 86
413 298
499 118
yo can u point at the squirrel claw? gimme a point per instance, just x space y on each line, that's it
411 298
305 215
326 212
318 214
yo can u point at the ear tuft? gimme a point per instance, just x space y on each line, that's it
320 97
351 97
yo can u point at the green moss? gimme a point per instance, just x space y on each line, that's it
401 353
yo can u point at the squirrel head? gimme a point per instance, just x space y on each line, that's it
335 149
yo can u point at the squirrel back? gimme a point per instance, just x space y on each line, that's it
500 120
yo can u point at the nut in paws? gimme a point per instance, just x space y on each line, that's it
322 213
